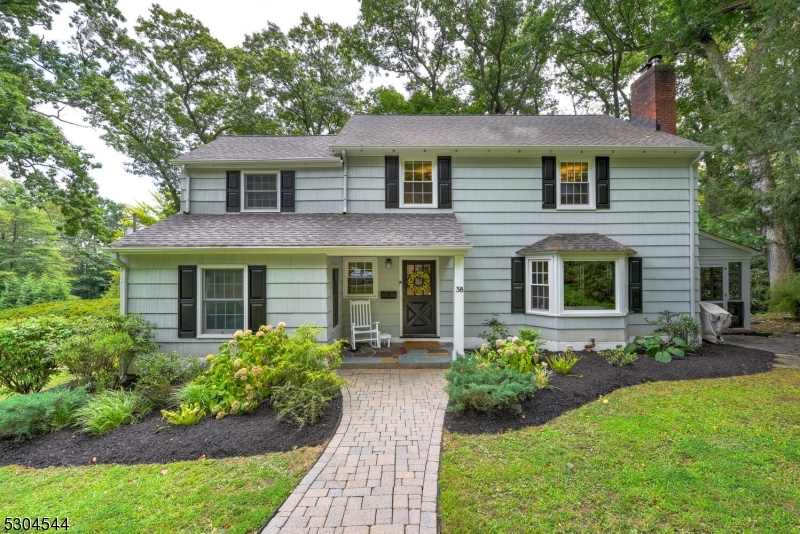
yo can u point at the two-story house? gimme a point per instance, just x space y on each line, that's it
581 226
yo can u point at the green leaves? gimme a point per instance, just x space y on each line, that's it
657 347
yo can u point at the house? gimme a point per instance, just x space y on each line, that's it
581 226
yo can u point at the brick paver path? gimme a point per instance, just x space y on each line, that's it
380 472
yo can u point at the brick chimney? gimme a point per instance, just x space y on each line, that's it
653 97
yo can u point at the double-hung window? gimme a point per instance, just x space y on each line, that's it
575 183
418 183
223 306
260 191
572 284
361 277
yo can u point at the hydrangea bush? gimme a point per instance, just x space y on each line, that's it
512 352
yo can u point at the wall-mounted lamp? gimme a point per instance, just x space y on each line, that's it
388 263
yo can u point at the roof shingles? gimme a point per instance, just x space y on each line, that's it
261 148
575 243
287 230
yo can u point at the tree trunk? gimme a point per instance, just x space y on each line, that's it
780 264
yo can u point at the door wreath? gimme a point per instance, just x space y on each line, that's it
418 282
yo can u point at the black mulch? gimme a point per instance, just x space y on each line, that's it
258 432
601 378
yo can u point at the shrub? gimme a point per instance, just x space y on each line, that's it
534 336
110 409
195 394
247 368
187 415
562 363
26 352
675 325
157 373
619 357
68 309
485 386
19 292
497 329
511 352
784 297
26 416
95 358
303 405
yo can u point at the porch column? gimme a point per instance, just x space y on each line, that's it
458 305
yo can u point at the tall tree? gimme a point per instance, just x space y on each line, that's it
37 81
507 48
309 76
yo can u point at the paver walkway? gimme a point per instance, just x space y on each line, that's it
380 472
785 346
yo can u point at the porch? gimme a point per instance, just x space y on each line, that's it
407 356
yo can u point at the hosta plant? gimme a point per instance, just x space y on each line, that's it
659 348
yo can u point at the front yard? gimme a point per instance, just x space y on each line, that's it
234 495
714 455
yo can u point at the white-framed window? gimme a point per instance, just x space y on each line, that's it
539 283
579 284
418 182
260 190
576 183
222 308
361 277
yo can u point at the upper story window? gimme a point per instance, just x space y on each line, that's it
361 277
261 191
575 184
418 182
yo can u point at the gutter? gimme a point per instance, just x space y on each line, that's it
344 184
691 232
188 177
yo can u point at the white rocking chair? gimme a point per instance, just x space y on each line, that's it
361 326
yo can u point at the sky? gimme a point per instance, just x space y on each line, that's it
229 21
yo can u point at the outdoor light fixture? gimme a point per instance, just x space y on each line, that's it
388 263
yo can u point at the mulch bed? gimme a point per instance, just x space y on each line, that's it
601 378
258 432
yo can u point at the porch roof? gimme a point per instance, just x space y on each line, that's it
576 243
297 230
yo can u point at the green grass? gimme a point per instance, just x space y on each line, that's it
65 308
234 494
719 455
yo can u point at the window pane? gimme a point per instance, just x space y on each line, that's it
589 285
418 182
540 288
261 191
360 278
574 186
223 300
711 283
734 280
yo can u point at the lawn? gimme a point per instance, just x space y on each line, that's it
715 455
236 495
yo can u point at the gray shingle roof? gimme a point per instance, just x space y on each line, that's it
575 242
262 147
502 130
256 230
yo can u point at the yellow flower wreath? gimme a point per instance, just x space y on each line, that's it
411 282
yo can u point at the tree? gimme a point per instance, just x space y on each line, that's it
389 101
309 76
37 81
507 49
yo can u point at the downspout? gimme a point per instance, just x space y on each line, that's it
344 178
123 304
188 190
691 233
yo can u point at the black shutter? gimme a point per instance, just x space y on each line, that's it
392 182
287 191
445 182
187 301
603 182
635 284
517 285
549 182
232 202
257 296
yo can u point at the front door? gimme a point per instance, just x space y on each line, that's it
419 298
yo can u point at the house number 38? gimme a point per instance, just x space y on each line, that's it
459 289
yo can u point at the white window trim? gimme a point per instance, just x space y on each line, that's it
200 322
243 189
592 205
435 173
557 284
345 272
